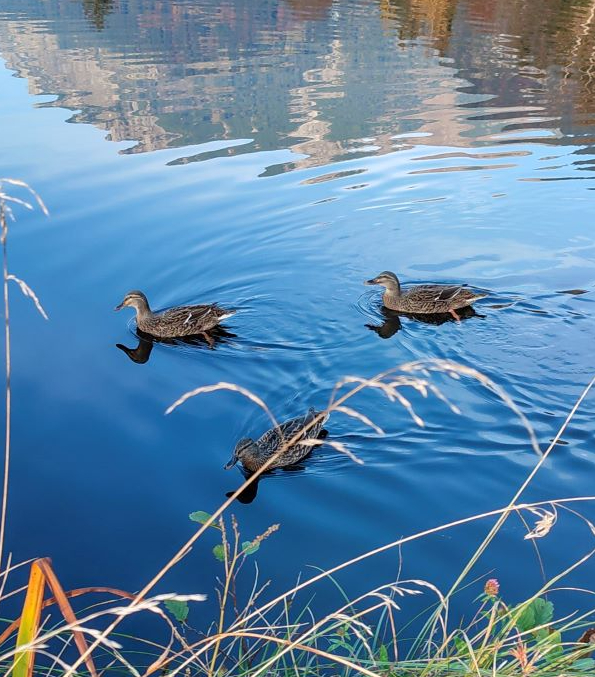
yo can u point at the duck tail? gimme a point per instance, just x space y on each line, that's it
481 295
226 312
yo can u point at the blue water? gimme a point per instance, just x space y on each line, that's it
271 157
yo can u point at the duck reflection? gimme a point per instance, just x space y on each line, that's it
392 320
248 494
142 352
390 326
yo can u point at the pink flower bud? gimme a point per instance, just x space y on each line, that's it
492 587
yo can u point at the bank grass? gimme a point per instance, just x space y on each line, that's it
404 627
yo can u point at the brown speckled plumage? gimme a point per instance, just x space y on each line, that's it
253 454
424 299
174 322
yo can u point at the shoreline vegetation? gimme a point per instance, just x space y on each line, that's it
367 635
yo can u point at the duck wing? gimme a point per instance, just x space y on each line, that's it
192 319
448 293
457 296
273 438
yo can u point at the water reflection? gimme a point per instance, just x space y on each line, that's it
299 76
392 320
97 10
248 494
142 352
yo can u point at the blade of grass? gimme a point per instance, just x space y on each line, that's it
67 612
23 661
70 594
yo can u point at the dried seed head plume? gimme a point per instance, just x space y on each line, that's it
27 187
339 446
356 414
261 537
222 385
455 371
543 526
27 291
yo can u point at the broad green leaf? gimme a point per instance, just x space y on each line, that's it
179 610
556 650
383 654
586 665
544 611
526 621
538 612
250 547
202 517
219 553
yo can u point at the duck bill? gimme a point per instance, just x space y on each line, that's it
372 281
230 464
120 306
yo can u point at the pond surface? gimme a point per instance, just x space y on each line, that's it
271 156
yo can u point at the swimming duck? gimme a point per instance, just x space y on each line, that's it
174 322
253 454
424 299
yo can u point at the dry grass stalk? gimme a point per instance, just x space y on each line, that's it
41 575
192 653
389 384
5 212
543 526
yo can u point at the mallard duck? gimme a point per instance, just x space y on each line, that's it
253 454
174 322
424 299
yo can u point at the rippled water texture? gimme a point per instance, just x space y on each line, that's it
272 156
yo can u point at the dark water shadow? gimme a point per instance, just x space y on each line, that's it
392 320
142 352
249 493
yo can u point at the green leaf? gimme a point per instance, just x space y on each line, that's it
383 654
339 644
250 547
460 645
179 610
202 517
557 650
544 611
538 612
219 553
584 665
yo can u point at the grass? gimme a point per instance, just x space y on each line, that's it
253 634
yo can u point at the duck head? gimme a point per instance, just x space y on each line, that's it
246 447
386 279
135 299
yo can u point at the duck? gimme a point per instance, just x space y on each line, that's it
253 454
424 299
174 322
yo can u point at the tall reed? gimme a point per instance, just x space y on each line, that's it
7 214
